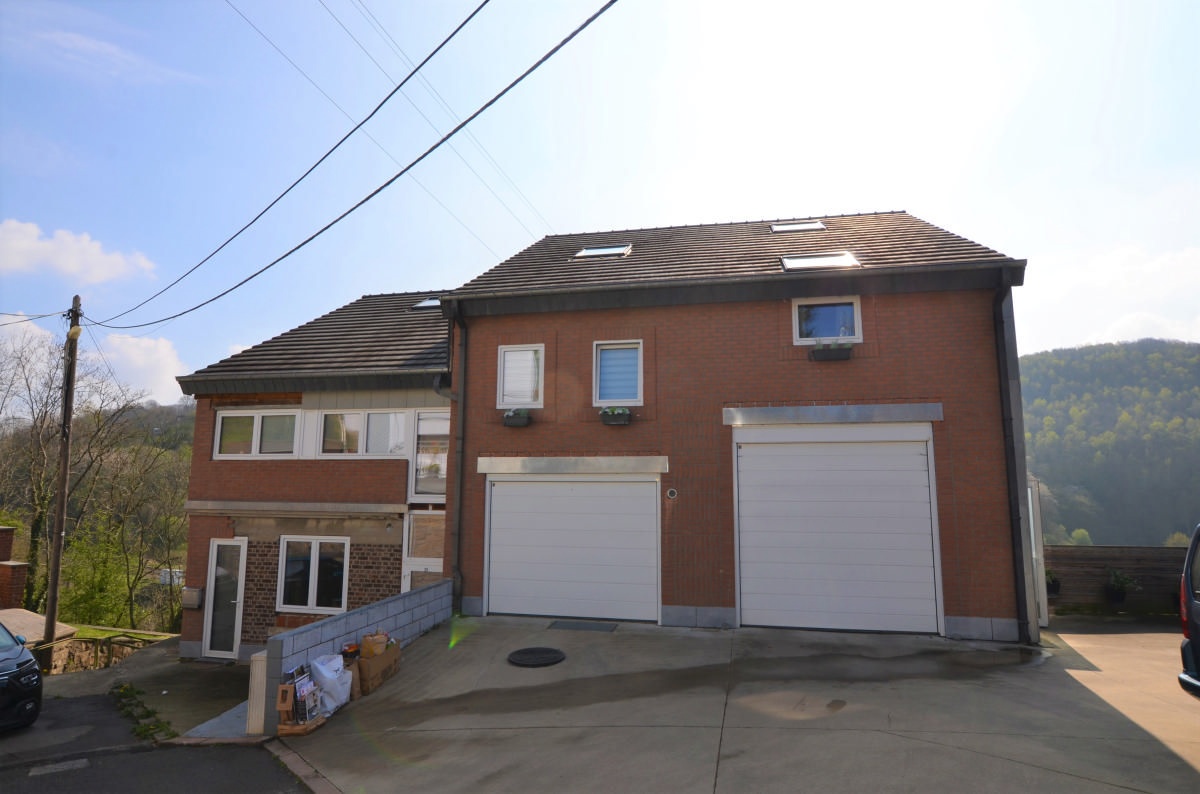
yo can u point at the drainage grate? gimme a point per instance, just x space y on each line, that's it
536 657
583 625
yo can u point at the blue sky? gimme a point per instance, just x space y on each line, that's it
135 136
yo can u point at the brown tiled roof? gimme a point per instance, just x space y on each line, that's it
724 252
375 342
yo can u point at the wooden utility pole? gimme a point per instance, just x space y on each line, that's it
70 353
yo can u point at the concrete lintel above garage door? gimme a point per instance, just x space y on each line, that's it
833 414
613 464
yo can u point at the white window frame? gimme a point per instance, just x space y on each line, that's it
413 496
311 608
540 349
365 414
256 436
856 338
620 344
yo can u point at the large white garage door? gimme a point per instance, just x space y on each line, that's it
837 535
574 548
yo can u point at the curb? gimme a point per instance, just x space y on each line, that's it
304 771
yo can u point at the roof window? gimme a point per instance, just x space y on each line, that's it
604 250
798 226
428 303
810 261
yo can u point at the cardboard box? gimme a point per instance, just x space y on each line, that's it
374 671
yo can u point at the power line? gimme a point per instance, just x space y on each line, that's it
26 318
312 168
483 108
429 86
429 121
370 137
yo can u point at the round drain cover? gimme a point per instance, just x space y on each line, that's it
536 657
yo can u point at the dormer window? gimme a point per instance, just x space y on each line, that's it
604 250
813 261
798 226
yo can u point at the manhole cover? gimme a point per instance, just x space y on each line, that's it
536 657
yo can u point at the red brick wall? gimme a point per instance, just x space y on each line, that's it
924 347
266 480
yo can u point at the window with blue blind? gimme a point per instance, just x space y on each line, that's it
618 373
826 320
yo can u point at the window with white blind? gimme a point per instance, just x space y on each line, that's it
519 376
617 376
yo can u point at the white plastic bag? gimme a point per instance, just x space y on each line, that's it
334 681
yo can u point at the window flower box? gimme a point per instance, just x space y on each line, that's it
837 352
517 417
615 416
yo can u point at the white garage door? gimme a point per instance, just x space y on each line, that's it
837 535
574 548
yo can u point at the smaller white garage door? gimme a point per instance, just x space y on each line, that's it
577 548
837 536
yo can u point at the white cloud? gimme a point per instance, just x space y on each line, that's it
23 248
1123 294
146 364
91 57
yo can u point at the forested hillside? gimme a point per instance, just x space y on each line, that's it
1113 433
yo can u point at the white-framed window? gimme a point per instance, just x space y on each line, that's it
826 320
242 433
428 481
617 373
519 375
313 574
374 433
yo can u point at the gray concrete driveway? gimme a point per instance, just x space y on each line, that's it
656 709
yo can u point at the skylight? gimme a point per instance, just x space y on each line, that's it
428 303
605 250
808 261
798 226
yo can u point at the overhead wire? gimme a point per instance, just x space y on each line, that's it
313 167
361 202
390 40
371 137
25 318
429 121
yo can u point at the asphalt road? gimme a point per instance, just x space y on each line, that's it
179 770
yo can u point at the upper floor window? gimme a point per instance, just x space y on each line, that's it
433 444
342 433
243 433
519 376
820 320
617 377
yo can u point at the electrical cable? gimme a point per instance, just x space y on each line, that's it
429 121
25 318
367 14
361 202
371 137
312 168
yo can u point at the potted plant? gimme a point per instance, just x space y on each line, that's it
1053 584
517 417
615 415
1118 584
831 351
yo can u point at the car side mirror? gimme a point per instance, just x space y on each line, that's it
20 639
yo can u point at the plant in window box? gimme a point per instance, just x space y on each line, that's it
831 351
616 415
517 417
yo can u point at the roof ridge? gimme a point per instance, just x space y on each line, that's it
735 223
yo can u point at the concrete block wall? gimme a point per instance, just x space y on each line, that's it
404 617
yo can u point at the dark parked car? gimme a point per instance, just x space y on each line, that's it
1189 611
20 682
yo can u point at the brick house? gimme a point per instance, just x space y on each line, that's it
823 430
318 473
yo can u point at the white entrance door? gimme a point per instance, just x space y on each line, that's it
576 548
223 597
837 535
